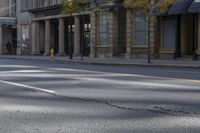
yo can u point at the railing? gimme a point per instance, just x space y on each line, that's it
34 4
8 11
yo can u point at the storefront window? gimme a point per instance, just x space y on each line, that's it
141 30
169 34
104 29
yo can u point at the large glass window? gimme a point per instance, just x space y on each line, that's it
169 34
141 30
104 28
52 2
40 3
27 4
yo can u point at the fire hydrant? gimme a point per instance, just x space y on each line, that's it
52 54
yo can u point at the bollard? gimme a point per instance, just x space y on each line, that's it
52 54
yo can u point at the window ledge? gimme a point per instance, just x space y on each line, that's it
138 46
166 51
103 46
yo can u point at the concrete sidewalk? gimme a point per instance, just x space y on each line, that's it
179 63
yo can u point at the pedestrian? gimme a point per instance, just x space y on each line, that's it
8 45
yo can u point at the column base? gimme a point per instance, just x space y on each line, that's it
35 53
92 56
128 56
76 55
61 54
19 51
46 54
92 52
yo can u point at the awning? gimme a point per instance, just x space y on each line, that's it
195 7
180 7
8 21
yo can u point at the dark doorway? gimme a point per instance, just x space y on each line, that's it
14 40
68 49
85 41
194 35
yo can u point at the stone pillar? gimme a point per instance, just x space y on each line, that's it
47 37
1 41
19 39
111 34
77 37
46 2
115 33
152 39
34 3
35 38
128 35
93 34
61 37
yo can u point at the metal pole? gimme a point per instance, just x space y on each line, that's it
83 29
71 56
149 47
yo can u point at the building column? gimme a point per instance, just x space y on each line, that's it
47 37
19 38
61 37
34 3
76 36
152 39
1 41
35 38
93 34
111 34
128 35
46 2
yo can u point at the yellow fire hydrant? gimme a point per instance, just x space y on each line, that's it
52 54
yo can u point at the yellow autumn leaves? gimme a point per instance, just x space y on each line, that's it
149 5
71 6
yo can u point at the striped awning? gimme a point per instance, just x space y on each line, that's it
195 7
180 7
8 21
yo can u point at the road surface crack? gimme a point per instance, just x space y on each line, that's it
179 112
155 109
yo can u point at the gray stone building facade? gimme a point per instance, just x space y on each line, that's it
106 30
50 29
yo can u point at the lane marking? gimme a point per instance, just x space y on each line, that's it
27 86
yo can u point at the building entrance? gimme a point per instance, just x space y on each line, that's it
86 35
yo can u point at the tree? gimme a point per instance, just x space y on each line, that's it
148 6
74 6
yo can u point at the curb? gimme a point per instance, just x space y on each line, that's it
108 64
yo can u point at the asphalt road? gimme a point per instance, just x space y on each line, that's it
49 97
